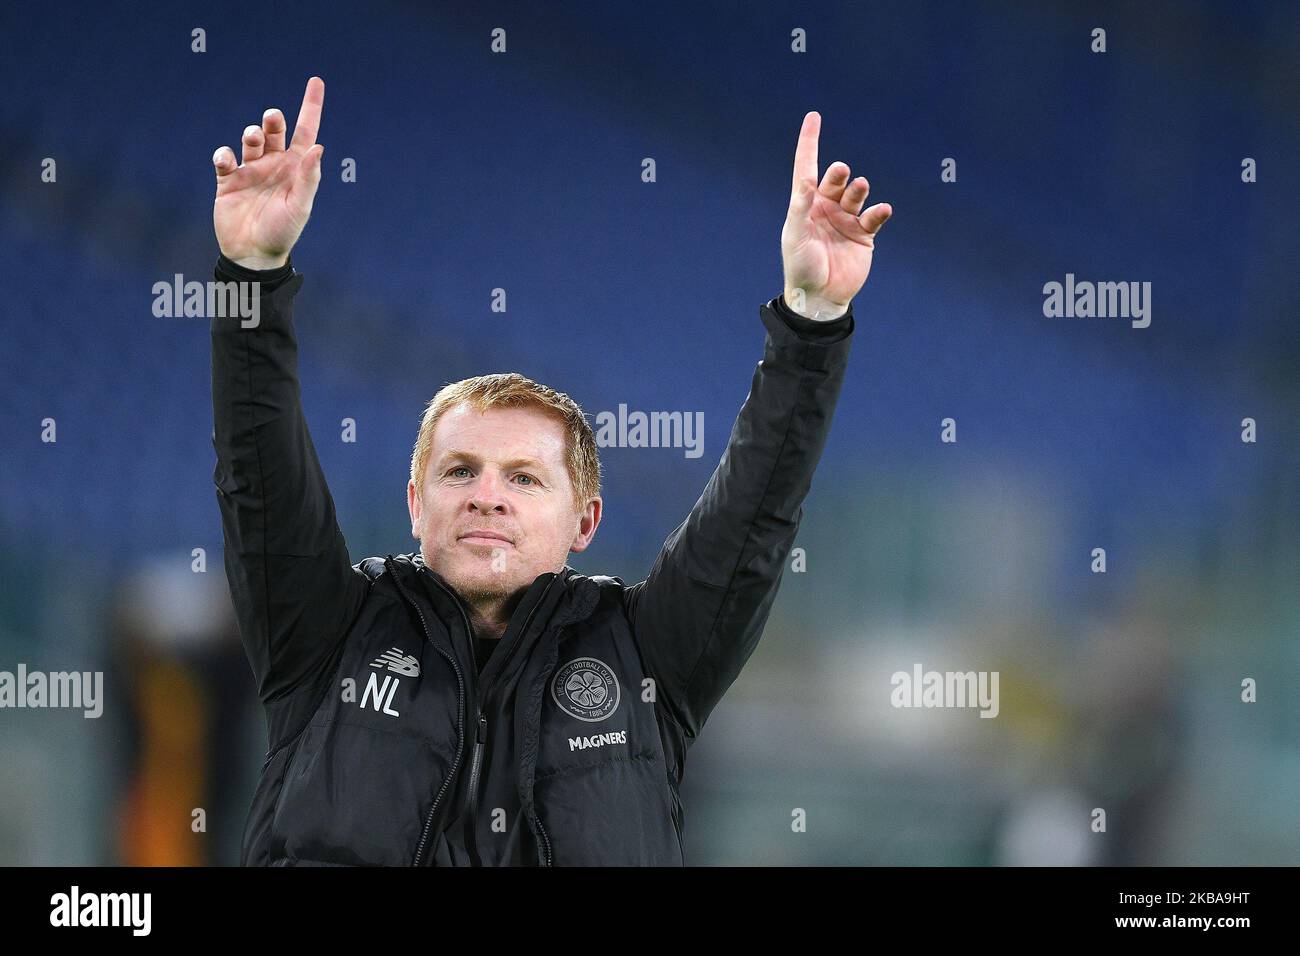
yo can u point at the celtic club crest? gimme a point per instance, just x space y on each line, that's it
585 688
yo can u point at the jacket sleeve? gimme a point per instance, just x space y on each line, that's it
294 590
700 613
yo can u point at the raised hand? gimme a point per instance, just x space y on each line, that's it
827 240
263 204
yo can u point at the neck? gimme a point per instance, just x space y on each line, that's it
488 629
490 616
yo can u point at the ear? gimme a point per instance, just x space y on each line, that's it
415 505
588 521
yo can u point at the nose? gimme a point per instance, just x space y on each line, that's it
487 496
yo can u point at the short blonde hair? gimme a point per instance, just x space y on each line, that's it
512 390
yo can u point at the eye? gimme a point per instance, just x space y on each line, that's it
531 479
457 468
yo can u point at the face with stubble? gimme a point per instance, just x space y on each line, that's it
496 507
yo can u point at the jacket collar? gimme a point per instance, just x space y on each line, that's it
578 596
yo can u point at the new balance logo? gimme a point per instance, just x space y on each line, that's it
398 663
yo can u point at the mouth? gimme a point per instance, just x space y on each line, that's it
488 538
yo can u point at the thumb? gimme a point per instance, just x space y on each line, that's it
801 199
309 165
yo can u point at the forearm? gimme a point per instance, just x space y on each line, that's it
752 502
265 453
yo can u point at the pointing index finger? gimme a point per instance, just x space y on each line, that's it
308 125
805 154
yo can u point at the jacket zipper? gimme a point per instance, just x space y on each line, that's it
546 841
481 738
460 710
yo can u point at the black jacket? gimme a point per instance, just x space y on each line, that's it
386 745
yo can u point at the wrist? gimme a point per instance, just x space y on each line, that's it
811 306
260 263
268 279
